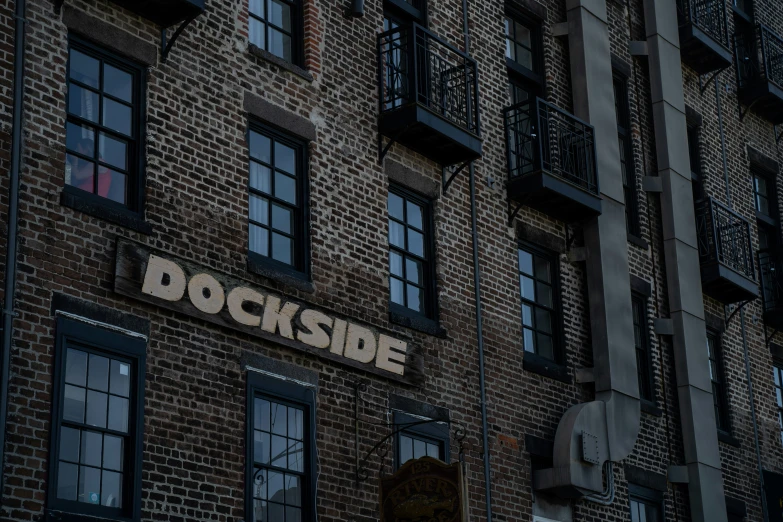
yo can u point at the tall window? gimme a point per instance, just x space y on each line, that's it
278 200
417 439
95 463
642 344
281 446
523 58
769 233
538 279
622 109
645 510
103 126
718 383
694 155
411 251
778 377
763 191
276 26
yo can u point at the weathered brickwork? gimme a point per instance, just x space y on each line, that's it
196 203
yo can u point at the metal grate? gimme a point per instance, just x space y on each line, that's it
541 136
724 237
707 15
759 57
771 275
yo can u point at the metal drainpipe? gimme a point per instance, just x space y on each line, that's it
13 224
477 291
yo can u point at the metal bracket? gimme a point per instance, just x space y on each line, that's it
58 6
165 48
703 85
447 182
778 137
743 114
512 214
382 151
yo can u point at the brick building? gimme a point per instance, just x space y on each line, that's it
249 232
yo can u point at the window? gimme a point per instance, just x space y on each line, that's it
280 451
642 344
645 510
778 378
278 200
276 26
97 423
694 155
420 439
718 384
763 195
411 248
103 126
523 58
538 278
626 154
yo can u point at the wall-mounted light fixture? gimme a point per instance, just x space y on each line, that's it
356 10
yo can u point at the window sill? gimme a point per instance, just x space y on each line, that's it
271 58
416 322
636 240
726 438
543 366
265 267
651 408
766 219
101 208
65 516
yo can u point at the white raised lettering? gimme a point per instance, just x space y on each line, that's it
275 318
317 337
360 344
391 354
164 279
206 294
338 337
236 298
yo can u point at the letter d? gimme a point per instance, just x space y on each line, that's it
163 279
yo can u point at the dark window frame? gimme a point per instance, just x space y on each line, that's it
430 284
532 81
771 219
777 383
558 325
646 374
647 497
94 339
299 396
719 391
431 432
694 158
301 268
297 33
404 13
624 132
135 193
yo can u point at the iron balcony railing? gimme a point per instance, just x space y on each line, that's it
724 237
415 66
542 137
759 57
771 275
707 15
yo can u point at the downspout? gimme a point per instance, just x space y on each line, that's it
592 435
13 225
477 291
681 254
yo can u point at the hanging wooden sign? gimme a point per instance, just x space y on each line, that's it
183 286
424 490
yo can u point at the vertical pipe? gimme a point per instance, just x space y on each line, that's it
13 224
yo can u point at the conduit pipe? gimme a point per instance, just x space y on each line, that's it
13 225
681 254
591 434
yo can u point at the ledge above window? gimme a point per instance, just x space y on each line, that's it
104 209
276 271
404 317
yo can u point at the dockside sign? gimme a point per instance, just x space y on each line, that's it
182 286
424 490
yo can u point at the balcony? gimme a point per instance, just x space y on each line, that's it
165 13
428 96
704 34
771 272
725 254
551 161
760 72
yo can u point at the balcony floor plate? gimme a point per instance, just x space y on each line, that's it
701 51
555 197
165 13
766 98
431 135
726 285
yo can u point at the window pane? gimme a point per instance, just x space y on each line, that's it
112 489
525 262
293 491
73 404
295 424
113 185
120 378
67 477
96 408
257 33
544 294
118 414
69 444
544 346
542 270
84 69
112 452
397 289
285 187
414 299
259 483
279 419
415 243
261 414
282 219
527 286
113 151
295 456
118 83
414 215
83 103
280 44
92 449
275 487
395 207
117 116
414 271
257 7
395 264
259 240
280 14
527 315
396 234
80 173
528 342
259 210
293 514
279 452
260 147
543 320
419 448
99 373
89 485
282 249
80 139
406 449
261 447
260 177
277 511
76 367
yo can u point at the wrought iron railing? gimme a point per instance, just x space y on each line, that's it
771 276
415 66
759 57
724 237
542 137
707 15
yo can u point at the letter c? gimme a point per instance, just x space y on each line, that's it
206 294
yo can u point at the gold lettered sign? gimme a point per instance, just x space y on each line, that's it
423 490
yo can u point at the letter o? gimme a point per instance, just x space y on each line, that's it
206 294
